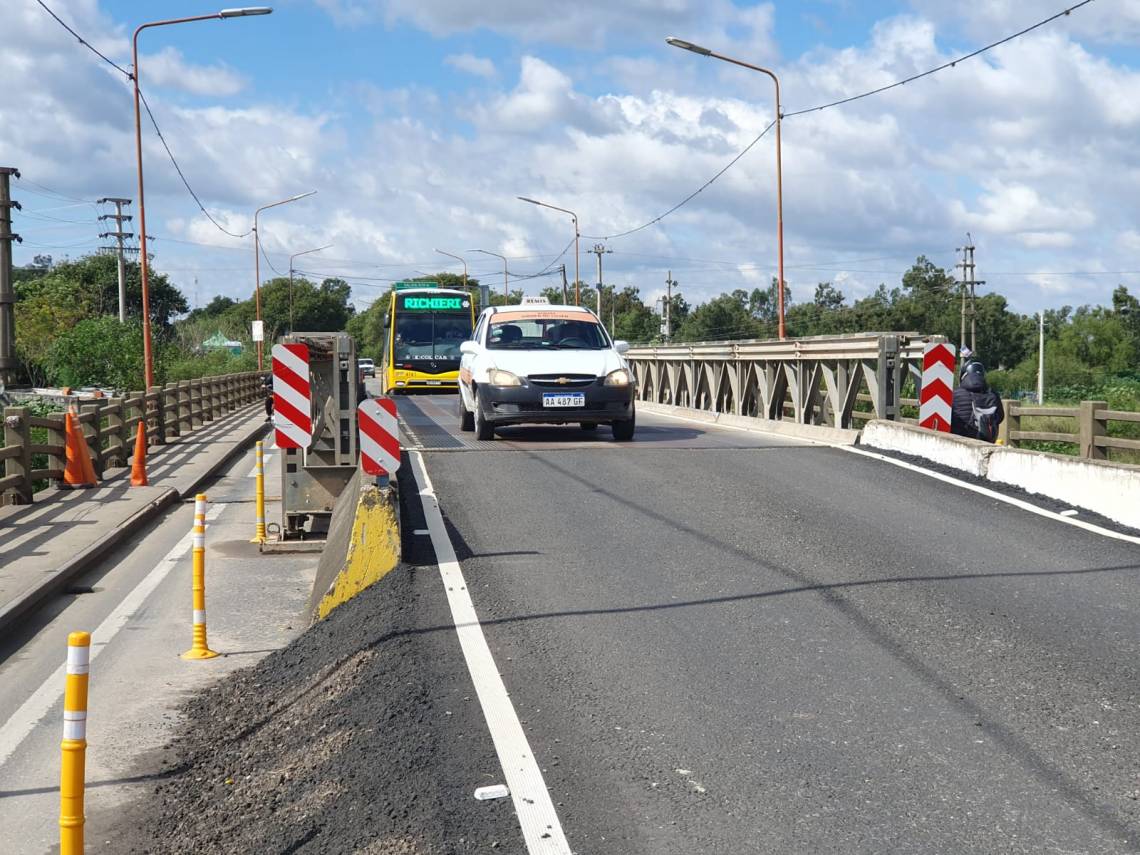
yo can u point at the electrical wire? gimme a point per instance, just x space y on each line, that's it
84 42
186 183
692 195
942 67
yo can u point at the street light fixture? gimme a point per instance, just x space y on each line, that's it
703 51
144 272
458 258
291 257
257 267
577 278
506 291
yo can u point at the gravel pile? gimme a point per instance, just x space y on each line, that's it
362 736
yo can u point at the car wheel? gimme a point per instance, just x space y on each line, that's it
483 428
589 425
466 417
623 431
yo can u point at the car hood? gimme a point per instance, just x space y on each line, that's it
527 362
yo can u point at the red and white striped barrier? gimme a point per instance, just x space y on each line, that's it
936 399
292 396
379 436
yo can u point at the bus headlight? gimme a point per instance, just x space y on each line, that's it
499 377
618 378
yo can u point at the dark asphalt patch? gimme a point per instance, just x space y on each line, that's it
362 736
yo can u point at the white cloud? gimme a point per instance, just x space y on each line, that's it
471 64
169 68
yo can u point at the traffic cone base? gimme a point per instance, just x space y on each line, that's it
78 470
138 463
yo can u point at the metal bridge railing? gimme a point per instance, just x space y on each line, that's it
817 380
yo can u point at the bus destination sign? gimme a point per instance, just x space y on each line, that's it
434 304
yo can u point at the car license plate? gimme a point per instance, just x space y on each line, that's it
564 399
435 382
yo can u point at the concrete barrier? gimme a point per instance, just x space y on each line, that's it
957 452
363 544
1109 489
819 433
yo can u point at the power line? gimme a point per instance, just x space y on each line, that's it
186 183
692 195
847 100
84 42
153 121
944 65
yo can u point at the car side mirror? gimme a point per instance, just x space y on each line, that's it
621 346
469 347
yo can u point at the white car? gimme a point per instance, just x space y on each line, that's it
544 364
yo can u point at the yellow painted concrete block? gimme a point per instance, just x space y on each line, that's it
373 548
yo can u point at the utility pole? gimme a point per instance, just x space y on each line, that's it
1041 359
669 283
7 295
598 250
119 217
969 286
565 287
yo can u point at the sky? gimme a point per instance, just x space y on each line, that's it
419 122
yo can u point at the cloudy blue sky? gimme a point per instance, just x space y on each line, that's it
419 122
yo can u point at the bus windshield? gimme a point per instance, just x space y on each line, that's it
430 335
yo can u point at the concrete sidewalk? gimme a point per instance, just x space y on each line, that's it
45 545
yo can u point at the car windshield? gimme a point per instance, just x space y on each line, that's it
430 335
532 331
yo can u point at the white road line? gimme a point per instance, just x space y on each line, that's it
24 720
938 476
265 458
539 821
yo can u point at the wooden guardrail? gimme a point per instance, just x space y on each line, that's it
1091 422
109 425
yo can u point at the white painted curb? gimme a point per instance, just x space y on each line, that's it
1109 489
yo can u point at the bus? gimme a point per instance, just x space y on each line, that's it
423 330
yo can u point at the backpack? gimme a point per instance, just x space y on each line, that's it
984 423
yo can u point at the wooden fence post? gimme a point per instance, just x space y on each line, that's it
17 432
1091 428
1011 422
114 431
161 425
57 438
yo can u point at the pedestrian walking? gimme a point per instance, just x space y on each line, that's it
267 388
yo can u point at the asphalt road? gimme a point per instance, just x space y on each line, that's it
140 599
725 642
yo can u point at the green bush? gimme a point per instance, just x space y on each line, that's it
98 352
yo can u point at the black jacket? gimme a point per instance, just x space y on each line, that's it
974 392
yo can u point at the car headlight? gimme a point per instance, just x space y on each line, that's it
618 378
499 377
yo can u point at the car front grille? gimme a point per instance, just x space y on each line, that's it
562 381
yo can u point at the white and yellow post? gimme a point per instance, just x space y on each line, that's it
200 649
259 533
73 758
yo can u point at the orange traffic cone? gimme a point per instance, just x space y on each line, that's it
79 471
138 464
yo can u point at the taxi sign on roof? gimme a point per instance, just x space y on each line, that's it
536 300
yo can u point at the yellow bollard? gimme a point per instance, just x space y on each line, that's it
259 533
74 746
200 649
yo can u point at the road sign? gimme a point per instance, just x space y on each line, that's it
379 436
936 398
258 330
292 396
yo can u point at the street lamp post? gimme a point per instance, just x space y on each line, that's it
506 290
257 267
577 278
291 257
458 258
703 51
144 272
